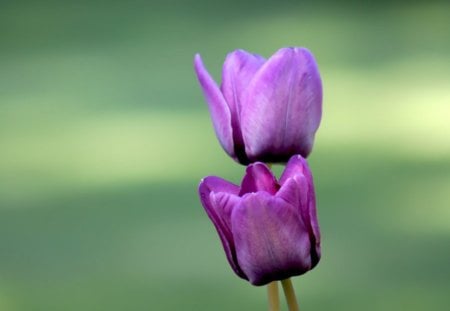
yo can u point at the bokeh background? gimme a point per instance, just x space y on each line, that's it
104 136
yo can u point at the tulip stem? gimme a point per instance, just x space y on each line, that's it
290 295
274 298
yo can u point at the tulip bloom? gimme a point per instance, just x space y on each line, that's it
265 110
268 229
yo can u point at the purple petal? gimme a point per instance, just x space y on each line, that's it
218 108
293 193
315 256
296 165
297 185
313 221
238 69
309 214
282 107
218 198
272 242
258 177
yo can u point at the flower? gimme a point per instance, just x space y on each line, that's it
265 110
268 229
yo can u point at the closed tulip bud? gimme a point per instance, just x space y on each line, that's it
268 228
265 110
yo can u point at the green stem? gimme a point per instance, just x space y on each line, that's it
274 298
290 295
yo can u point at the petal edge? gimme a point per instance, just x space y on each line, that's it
218 107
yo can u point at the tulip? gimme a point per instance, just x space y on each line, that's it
265 110
268 229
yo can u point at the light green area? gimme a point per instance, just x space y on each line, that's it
104 136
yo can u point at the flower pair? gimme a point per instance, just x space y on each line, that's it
265 111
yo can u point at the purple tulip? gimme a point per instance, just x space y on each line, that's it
265 110
268 229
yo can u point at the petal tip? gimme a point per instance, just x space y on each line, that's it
254 165
198 63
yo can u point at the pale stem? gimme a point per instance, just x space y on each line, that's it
274 298
290 295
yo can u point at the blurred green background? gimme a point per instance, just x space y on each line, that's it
104 136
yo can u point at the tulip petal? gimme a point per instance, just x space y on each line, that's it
291 192
297 185
312 213
307 204
258 177
297 165
315 256
218 108
238 70
271 241
282 107
218 198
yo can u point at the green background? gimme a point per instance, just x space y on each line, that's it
104 136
